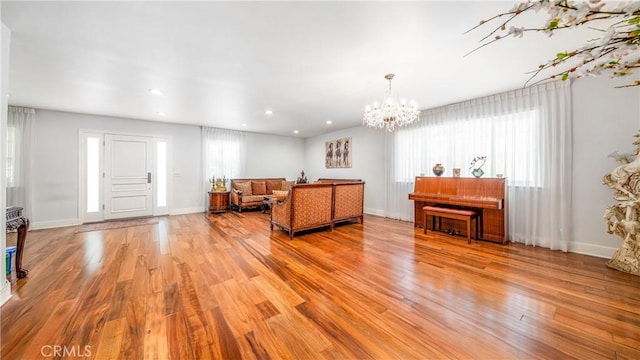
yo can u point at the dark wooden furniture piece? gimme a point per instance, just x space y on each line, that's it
15 221
455 214
218 201
487 196
268 202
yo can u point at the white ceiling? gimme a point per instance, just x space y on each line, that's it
222 64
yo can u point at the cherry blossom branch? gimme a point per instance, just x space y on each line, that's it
616 52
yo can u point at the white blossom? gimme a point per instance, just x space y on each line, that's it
612 52
583 10
517 32
629 8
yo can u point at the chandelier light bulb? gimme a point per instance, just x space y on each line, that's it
392 113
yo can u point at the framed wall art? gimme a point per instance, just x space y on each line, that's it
338 153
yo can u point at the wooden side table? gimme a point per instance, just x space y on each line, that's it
267 203
218 201
15 221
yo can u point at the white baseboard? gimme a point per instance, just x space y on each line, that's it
371 211
37 225
5 292
184 211
591 249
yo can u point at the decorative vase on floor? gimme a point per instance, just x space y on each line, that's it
438 169
623 217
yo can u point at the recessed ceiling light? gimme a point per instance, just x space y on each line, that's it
295 131
244 125
155 91
329 122
269 112
160 113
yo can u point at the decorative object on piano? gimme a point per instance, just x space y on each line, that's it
302 179
218 184
338 153
623 218
476 166
438 169
390 113
456 172
613 51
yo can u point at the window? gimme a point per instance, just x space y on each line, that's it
11 157
224 158
161 171
93 174
223 154
510 142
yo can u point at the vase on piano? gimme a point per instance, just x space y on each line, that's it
476 166
438 169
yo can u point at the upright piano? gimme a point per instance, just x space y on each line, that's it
484 195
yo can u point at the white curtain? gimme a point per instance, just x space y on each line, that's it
20 134
525 135
223 155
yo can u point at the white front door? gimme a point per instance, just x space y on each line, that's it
128 191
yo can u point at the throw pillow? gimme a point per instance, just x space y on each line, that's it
273 185
286 185
259 187
245 187
280 194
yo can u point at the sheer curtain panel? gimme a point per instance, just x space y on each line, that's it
525 135
223 155
19 143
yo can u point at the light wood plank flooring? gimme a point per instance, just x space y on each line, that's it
226 287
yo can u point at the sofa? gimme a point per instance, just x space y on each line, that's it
250 193
321 204
348 202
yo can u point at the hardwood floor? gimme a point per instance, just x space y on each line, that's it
224 286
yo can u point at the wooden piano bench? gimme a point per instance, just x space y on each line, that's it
457 214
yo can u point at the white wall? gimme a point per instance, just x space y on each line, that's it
5 287
605 119
367 152
56 151
274 156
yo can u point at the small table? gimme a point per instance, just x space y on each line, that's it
267 202
15 220
218 201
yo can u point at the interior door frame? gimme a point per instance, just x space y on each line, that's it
83 134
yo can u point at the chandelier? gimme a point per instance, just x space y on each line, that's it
392 113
